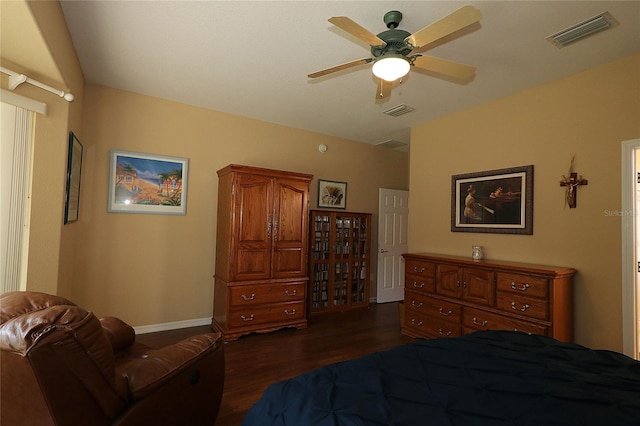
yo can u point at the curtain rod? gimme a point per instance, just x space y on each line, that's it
16 79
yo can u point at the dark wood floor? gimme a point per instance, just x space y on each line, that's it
255 361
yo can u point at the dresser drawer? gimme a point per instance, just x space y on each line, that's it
420 268
527 306
256 315
440 309
523 284
243 295
424 325
421 284
476 319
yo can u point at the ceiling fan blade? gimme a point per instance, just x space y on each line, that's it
445 67
340 67
451 23
356 30
384 89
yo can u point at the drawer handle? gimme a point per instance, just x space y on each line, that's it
523 288
414 322
416 305
252 297
445 313
481 324
243 318
416 285
442 333
524 307
415 269
293 312
286 292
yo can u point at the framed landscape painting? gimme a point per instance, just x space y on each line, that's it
147 183
495 201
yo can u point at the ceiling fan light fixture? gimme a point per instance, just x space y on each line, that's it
391 67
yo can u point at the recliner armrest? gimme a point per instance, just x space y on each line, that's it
120 334
151 369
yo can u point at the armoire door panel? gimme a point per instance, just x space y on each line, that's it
291 204
289 262
251 264
253 208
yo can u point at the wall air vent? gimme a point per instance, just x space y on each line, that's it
586 28
398 110
391 144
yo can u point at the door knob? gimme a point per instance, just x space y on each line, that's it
383 251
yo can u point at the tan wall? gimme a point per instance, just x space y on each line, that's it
35 41
151 269
586 115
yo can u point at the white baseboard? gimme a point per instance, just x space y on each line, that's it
152 328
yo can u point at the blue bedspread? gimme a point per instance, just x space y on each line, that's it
484 378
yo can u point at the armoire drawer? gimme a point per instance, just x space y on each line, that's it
275 313
242 295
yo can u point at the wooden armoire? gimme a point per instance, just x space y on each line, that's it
261 250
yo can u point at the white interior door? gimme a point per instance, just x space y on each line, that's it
393 216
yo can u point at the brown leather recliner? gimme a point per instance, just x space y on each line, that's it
60 365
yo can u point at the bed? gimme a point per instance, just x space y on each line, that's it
483 378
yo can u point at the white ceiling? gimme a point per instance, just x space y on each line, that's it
251 58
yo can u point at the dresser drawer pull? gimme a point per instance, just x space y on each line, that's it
523 288
286 312
524 307
442 333
416 304
415 269
286 292
418 285
481 324
243 318
414 322
252 297
445 313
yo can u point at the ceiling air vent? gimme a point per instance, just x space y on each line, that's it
586 28
391 144
398 110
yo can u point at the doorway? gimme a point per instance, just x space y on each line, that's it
630 221
393 215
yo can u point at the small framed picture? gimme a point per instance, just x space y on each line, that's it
331 194
74 169
147 183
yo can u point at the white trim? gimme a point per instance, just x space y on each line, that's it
152 328
629 233
23 102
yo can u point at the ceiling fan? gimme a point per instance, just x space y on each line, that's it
395 51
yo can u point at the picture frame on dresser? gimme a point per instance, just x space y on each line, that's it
332 194
494 201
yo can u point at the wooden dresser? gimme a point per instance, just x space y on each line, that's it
261 250
451 296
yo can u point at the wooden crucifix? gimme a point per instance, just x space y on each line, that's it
572 183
